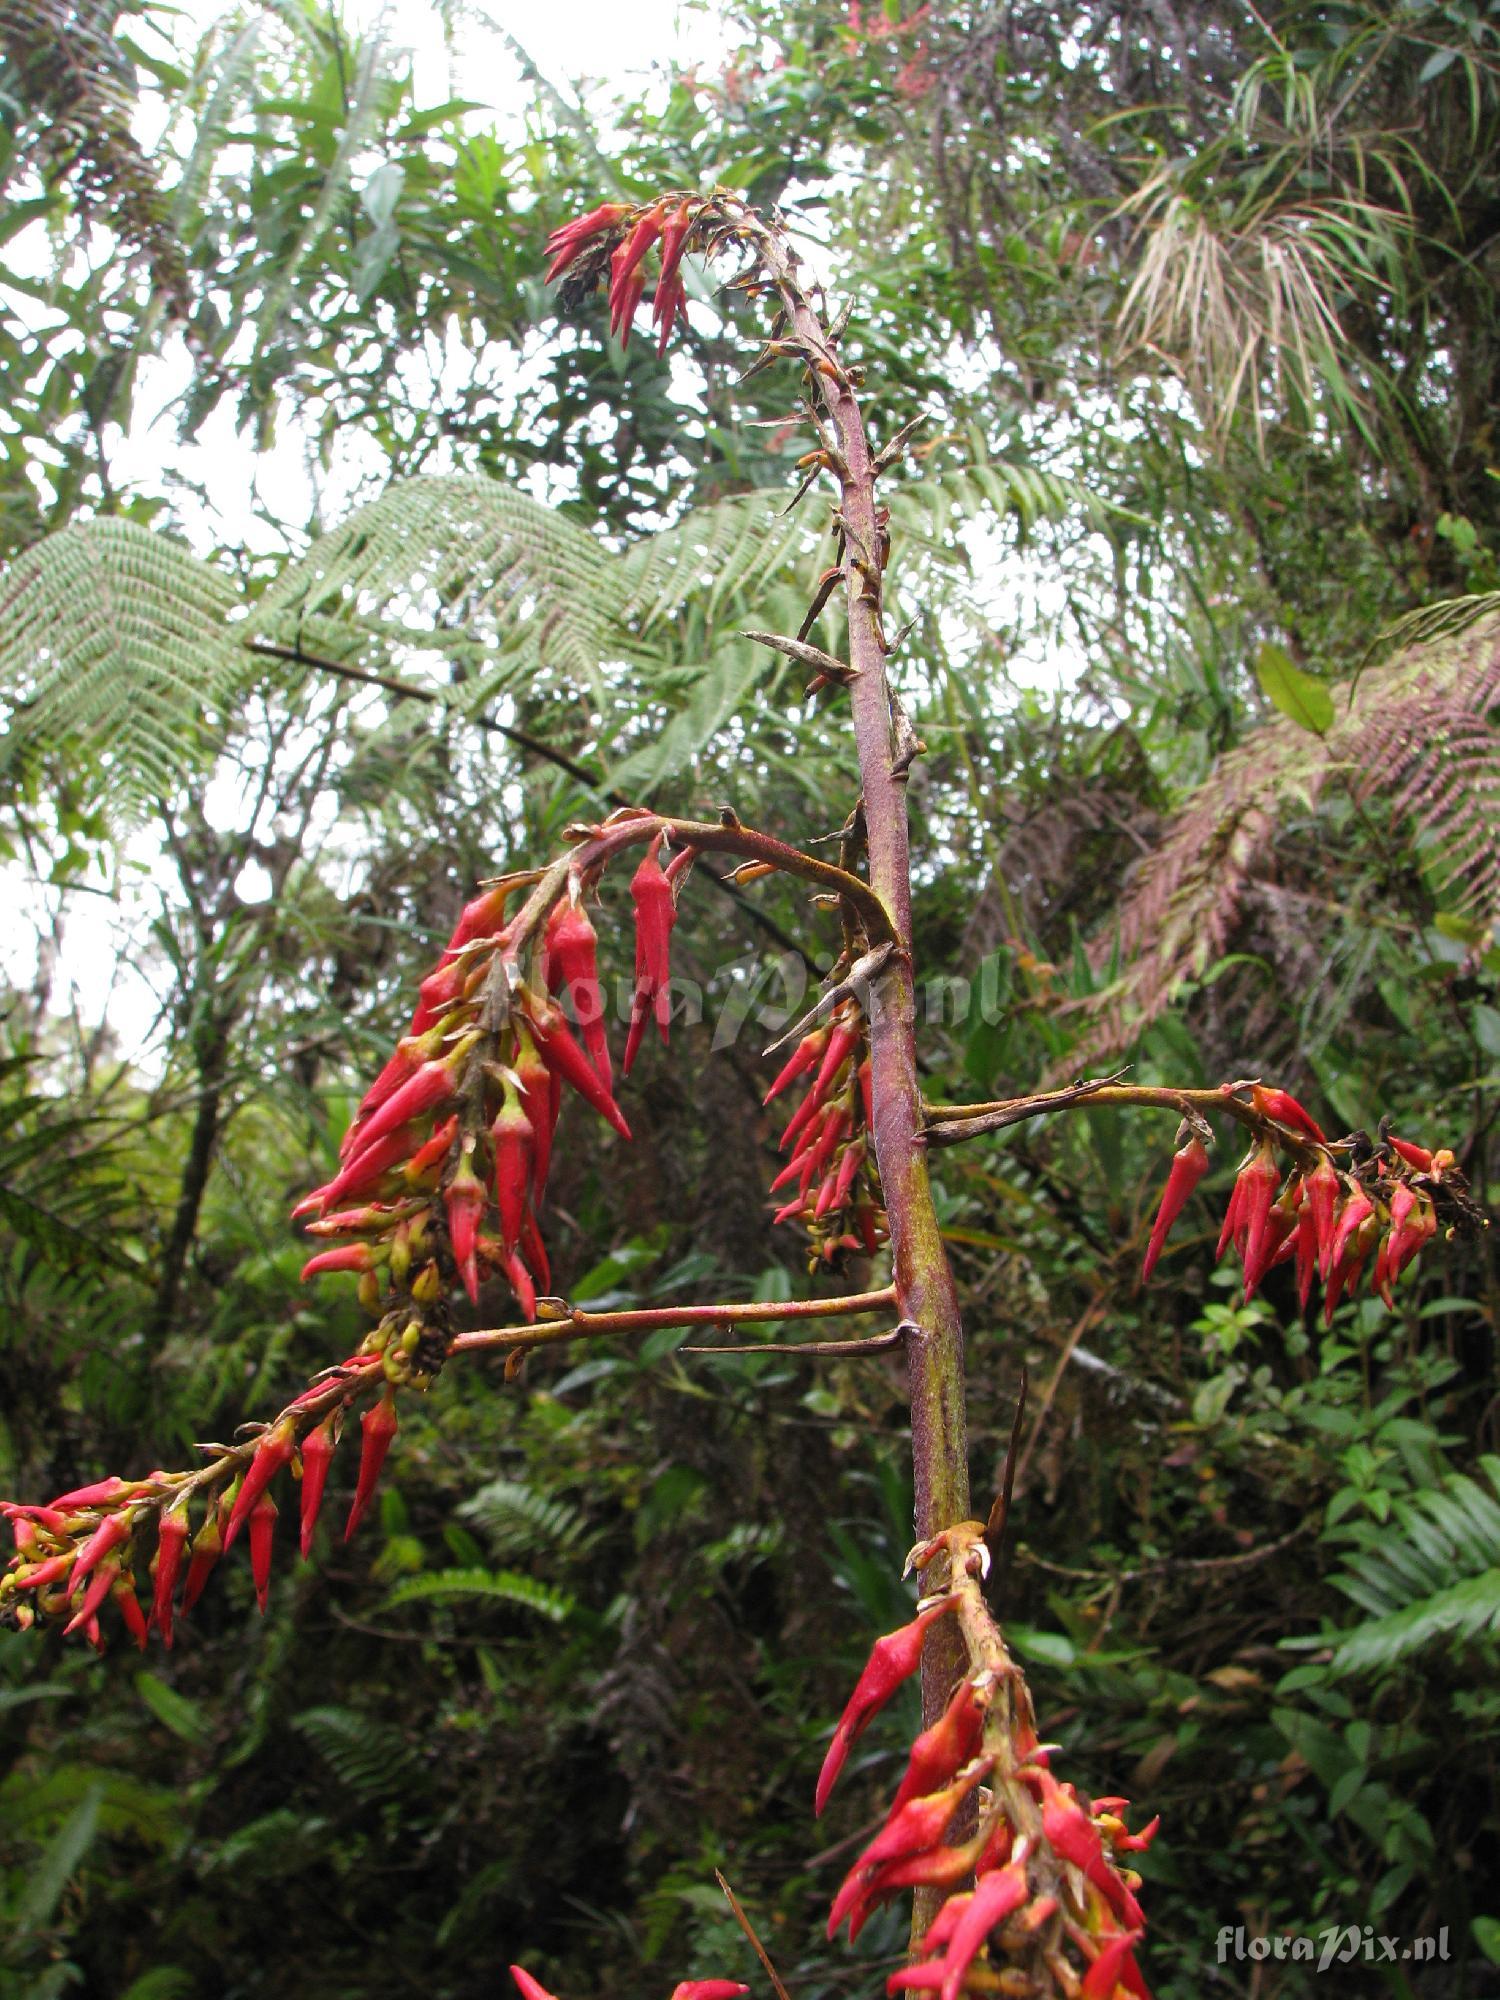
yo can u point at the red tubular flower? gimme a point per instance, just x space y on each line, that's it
1413 1223
208 1546
365 1169
463 1199
272 1452
843 1039
916 1828
564 244
534 1250
674 238
171 1541
835 1125
1307 1250
807 1052
801 1118
1189 1165
1070 1832
317 1455
515 1142
262 1538
100 1584
408 1057
1322 1189
378 1425
1114 1967
995 1897
893 1659
540 1106
1416 1157
437 992
521 1283
89 1496
1286 1111
626 282
1230 1232
655 914
566 1059
482 917
433 1153
344 1257
925 1978
531 1989
934 1868
430 1088
944 1746
109 1534
125 1601
1356 1211
708 1989
1254 1190
624 303
669 305
53 1570
572 947
1280 1221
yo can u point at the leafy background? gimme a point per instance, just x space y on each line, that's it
1200 540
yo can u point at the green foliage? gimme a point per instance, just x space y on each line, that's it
1428 1575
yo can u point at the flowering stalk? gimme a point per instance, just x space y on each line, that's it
1039 1897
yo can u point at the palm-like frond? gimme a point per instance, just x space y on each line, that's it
62 1196
1249 309
1429 1576
1417 735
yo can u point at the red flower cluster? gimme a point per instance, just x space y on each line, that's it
456 1132
1328 1218
978 1804
78 1554
623 236
832 1168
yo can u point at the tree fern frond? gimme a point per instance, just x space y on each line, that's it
453 564
1432 1575
115 639
1419 735
714 557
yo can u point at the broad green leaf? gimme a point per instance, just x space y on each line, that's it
1297 694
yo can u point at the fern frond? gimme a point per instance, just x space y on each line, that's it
506 1584
1431 1576
372 1758
1419 735
515 1516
